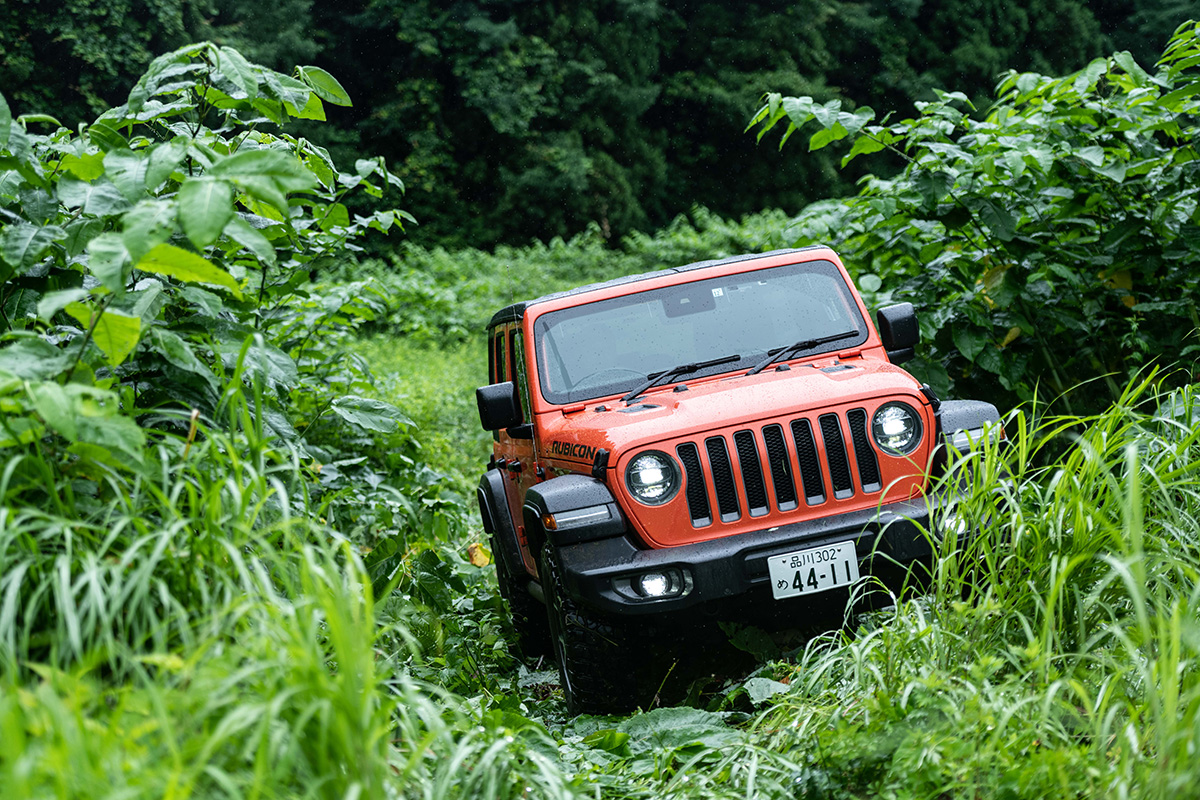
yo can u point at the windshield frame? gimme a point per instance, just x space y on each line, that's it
634 295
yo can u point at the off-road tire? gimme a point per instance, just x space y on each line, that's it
529 620
604 662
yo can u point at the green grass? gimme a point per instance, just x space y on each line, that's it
436 388
197 630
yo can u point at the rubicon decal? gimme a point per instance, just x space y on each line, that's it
571 450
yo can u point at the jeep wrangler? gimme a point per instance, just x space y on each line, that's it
729 440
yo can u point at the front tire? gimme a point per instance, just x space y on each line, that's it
604 663
529 620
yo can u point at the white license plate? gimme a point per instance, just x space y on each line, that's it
816 569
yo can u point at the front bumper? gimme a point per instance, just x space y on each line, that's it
896 534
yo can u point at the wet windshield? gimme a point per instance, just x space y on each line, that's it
613 346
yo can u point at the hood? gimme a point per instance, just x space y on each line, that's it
664 414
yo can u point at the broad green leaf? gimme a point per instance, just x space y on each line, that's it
146 226
284 168
148 300
127 170
162 161
313 109
99 199
33 359
870 283
22 244
854 122
610 740
53 302
827 114
1093 155
115 333
1114 170
109 261
969 340
116 432
237 69
20 306
263 198
286 89
179 353
1001 222
826 136
87 167
336 215
205 208
174 262
264 361
863 145
933 185
37 205
1126 61
5 121
798 109
325 85
271 109
761 689
106 137
55 408
79 233
20 431
252 239
665 729
373 415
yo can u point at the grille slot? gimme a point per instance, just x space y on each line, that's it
722 472
752 476
824 467
781 472
810 467
835 454
697 495
868 466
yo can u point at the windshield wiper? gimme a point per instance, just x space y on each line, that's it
674 372
782 353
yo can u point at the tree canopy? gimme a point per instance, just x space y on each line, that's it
511 120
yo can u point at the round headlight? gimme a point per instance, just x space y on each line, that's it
896 428
652 478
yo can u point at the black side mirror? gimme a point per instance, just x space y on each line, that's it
498 406
899 331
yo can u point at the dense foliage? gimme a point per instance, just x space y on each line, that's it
1053 242
511 120
228 570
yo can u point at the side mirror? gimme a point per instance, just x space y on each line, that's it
499 407
899 331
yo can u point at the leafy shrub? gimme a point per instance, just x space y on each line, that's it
1054 241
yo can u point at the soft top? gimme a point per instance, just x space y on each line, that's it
516 311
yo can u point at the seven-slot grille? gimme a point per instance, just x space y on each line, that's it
716 479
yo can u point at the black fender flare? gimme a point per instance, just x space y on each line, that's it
961 426
569 493
493 511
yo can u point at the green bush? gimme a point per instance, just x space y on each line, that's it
1053 242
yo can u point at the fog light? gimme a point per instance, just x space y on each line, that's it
654 584
661 584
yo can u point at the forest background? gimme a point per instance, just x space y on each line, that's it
236 550
511 120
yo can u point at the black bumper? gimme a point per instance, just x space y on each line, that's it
894 535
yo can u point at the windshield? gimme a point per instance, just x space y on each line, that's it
612 346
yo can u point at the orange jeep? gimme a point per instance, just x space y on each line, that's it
726 440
